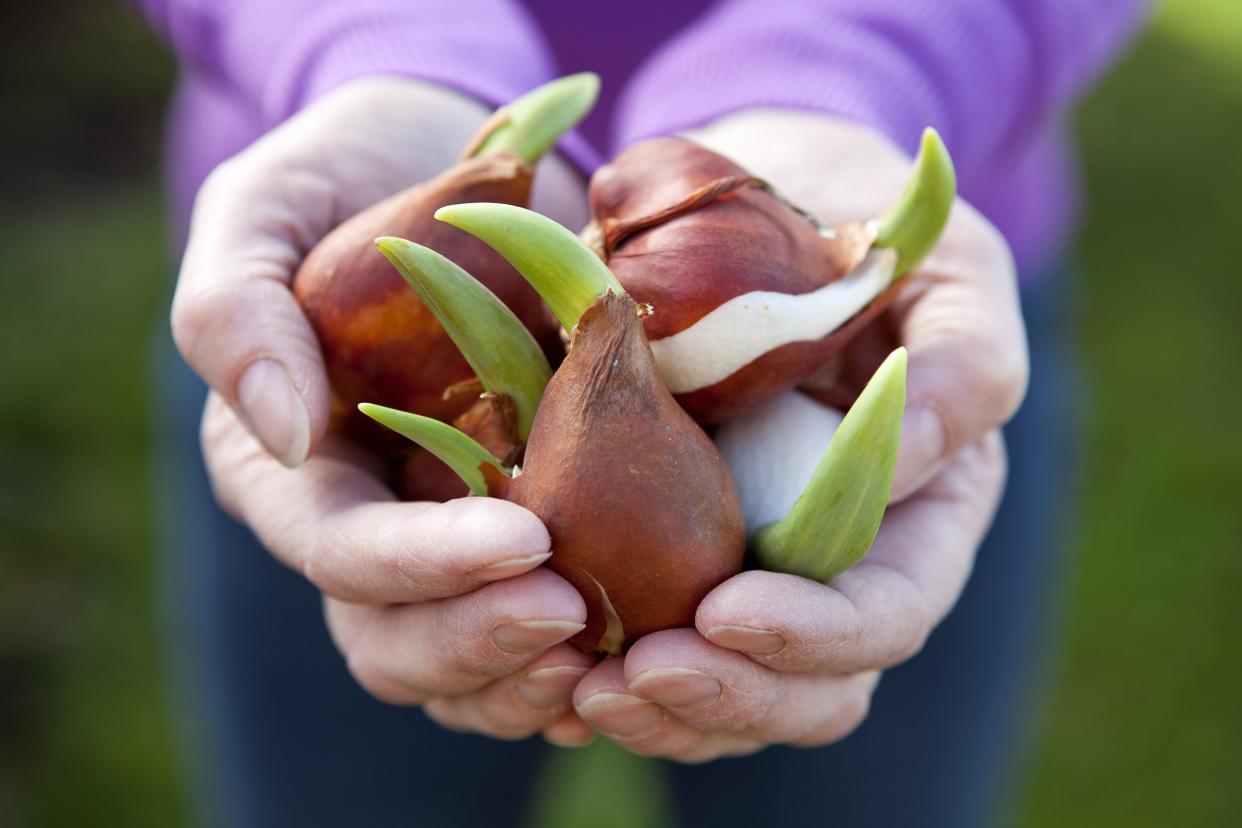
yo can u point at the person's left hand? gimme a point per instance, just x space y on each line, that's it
781 659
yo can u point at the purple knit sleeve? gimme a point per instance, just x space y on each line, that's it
986 73
278 55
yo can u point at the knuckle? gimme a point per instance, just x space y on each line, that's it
315 566
414 557
447 715
979 240
844 721
467 649
831 645
991 466
186 322
850 717
754 711
198 312
1003 376
379 683
912 620
222 180
330 563
909 645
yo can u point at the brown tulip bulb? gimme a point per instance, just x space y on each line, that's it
642 511
380 342
751 294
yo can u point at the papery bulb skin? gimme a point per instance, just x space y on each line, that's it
642 511
687 263
380 343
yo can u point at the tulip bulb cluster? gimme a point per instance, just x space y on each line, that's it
697 298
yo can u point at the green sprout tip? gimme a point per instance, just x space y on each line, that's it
835 519
459 452
534 122
505 357
565 272
913 225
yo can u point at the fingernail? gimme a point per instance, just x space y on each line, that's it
747 639
677 687
533 636
923 443
618 714
508 569
551 686
274 411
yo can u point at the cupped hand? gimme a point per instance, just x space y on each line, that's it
777 658
780 659
442 605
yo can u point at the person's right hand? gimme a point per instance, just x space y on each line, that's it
443 605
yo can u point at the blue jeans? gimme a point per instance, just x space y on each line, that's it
283 735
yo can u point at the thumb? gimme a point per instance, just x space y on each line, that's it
961 321
234 318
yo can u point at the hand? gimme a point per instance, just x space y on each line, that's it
777 658
436 604
780 659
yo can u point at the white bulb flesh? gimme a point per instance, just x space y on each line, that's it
772 453
746 327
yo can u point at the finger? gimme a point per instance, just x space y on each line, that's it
715 690
569 731
960 319
335 522
880 612
518 705
413 653
605 703
234 318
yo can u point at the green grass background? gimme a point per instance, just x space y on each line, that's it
1144 719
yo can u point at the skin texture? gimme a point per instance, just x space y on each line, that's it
743 241
397 575
636 498
380 343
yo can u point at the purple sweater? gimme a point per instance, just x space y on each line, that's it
993 76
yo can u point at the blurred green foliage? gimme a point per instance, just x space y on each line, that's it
1144 725
1146 709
